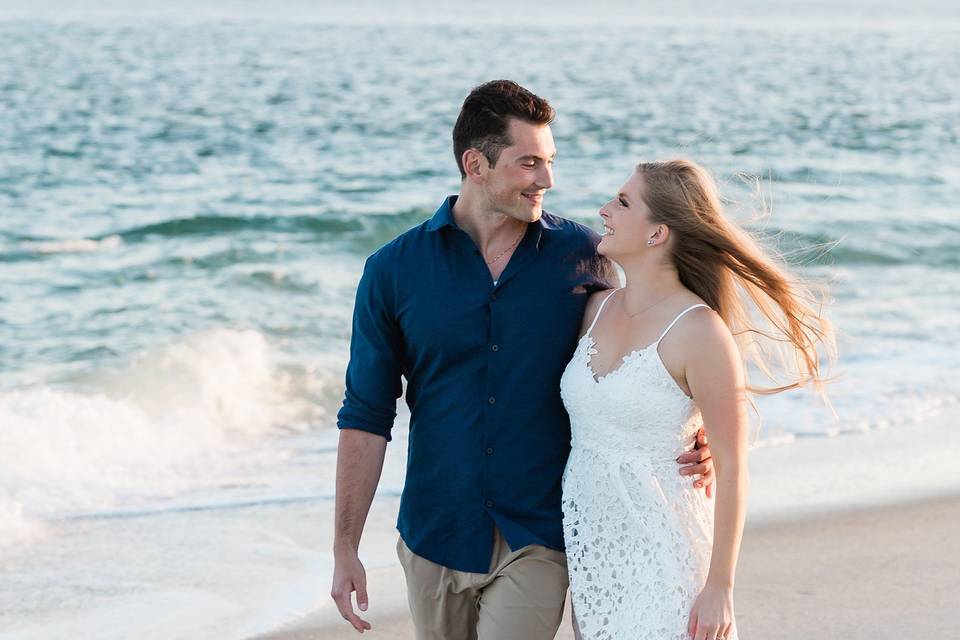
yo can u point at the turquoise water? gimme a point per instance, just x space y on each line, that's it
186 204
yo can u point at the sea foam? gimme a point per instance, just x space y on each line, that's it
173 418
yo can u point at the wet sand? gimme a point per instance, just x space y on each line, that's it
867 574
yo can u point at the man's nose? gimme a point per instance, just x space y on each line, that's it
545 177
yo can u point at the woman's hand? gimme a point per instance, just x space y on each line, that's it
712 615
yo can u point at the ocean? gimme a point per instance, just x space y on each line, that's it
188 194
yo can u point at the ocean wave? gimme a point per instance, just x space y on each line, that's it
73 245
207 225
173 418
935 245
845 177
277 280
364 232
16 527
326 224
931 243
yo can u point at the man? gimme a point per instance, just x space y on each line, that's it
479 309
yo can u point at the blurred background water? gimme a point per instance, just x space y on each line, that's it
188 192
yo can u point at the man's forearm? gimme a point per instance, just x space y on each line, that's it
359 465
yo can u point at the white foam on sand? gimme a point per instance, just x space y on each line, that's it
225 582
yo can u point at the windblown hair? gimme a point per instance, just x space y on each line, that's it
775 316
485 117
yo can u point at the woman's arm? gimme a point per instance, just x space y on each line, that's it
714 373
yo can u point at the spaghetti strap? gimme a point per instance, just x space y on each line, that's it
600 309
679 315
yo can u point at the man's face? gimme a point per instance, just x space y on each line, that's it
523 173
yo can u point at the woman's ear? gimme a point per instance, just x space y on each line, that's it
659 236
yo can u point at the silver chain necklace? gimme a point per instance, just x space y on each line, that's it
645 309
510 248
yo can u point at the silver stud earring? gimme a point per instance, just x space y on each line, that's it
650 242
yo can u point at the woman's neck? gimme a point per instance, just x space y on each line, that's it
649 283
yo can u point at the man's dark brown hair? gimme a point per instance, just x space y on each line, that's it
485 116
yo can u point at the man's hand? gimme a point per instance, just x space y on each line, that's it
359 464
349 576
698 462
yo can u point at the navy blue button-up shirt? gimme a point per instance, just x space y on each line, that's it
489 436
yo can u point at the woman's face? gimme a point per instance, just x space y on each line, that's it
626 222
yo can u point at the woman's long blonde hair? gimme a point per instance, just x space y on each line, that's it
783 331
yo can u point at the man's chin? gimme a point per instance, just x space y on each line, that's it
531 214
527 213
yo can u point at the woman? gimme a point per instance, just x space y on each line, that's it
649 556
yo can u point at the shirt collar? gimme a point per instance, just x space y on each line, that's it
444 215
444 218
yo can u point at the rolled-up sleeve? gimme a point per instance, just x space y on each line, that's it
373 375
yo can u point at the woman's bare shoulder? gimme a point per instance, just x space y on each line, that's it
702 330
593 305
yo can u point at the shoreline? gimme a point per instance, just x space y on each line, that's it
808 494
266 567
867 574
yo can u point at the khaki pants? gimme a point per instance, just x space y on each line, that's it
520 598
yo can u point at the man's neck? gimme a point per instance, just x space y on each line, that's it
484 225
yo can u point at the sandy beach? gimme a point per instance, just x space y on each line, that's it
879 573
851 537
871 574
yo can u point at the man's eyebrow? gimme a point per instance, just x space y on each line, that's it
533 156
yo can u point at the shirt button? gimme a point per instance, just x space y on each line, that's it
495 348
489 503
492 400
489 451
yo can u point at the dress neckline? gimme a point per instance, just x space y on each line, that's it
592 348
624 362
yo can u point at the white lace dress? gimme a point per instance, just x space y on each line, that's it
638 535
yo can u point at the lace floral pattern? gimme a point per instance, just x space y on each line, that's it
638 534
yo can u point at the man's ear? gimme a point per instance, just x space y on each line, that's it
475 164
